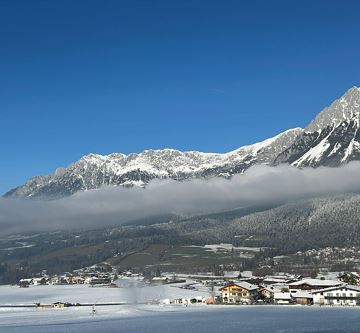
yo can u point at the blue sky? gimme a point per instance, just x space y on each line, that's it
123 76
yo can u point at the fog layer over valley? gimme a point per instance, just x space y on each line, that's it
112 205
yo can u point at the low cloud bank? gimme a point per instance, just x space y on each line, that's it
116 205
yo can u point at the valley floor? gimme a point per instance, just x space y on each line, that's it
139 317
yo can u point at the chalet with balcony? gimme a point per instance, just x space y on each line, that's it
239 293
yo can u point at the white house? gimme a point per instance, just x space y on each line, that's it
340 295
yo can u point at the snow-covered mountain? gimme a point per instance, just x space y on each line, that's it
331 139
93 171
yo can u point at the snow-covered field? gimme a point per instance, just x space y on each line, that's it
128 292
201 319
160 318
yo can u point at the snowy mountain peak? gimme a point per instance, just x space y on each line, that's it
344 108
332 139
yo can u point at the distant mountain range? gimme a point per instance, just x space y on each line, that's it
332 139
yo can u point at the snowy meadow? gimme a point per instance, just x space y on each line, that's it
136 316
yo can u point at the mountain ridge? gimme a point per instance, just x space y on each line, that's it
331 139
94 170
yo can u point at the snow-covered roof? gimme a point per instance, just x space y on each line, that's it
26 280
275 279
315 282
286 296
247 285
278 285
242 284
342 286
